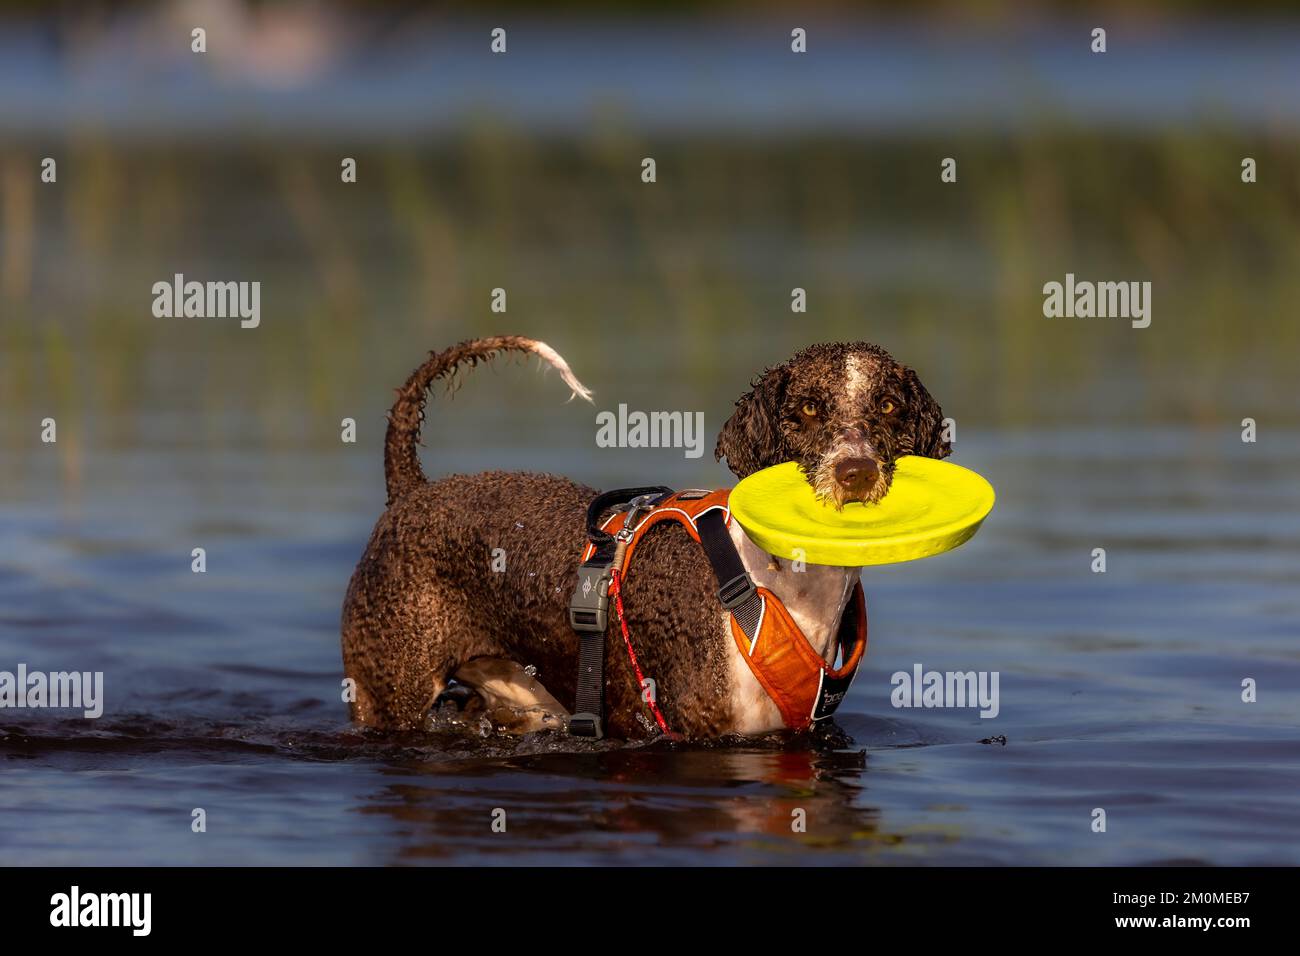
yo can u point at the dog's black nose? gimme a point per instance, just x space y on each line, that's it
857 475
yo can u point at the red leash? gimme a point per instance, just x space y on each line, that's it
616 589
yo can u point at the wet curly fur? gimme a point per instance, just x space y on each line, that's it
425 604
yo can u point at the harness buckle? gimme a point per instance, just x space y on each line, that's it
737 591
589 606
586 725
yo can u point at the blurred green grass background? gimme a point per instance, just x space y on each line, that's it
706 256
670 295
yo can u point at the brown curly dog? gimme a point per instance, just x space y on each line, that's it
426 607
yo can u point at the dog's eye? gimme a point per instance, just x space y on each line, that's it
887 407
810 409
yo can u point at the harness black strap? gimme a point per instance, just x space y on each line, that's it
589 607
736 588
834 689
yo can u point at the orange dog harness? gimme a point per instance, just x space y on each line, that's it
800 682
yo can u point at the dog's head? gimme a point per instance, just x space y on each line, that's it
844 411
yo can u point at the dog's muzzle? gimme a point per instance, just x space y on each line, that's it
851 470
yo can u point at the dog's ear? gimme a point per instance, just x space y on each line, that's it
752 438
927 420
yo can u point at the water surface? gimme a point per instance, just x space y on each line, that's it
1118 690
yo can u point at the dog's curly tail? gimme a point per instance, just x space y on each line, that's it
402 470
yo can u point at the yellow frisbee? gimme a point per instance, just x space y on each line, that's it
932 507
